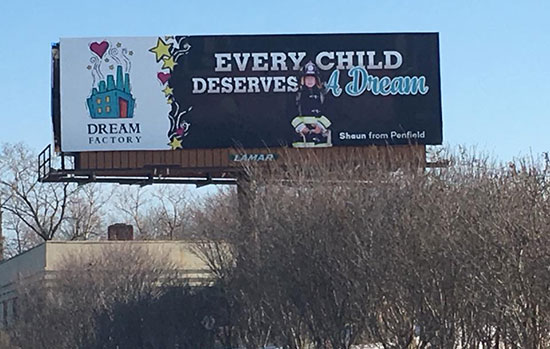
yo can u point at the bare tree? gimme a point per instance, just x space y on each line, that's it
21 237
85 211
336 255
63 309
172 211
323 255
40 207
132 203
160 212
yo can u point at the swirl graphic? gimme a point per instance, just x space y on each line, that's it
96 72
127 62
183 47
113 52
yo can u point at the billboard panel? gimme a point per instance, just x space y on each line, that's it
250 91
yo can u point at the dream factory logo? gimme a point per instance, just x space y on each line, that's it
111 99
111 96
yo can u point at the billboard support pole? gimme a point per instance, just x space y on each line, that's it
244 194
245 197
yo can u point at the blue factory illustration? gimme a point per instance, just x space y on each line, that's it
112 100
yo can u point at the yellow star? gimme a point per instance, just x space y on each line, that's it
161 50
168 91
169 101
169 63
175 143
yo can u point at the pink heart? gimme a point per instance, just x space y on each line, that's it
163 77
99 48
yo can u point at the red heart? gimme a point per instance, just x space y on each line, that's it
99 48
163 77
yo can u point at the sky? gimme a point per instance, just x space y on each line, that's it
495 78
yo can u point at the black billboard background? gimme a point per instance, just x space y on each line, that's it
254 120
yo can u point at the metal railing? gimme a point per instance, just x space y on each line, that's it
44 163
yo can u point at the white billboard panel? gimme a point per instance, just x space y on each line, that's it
111 93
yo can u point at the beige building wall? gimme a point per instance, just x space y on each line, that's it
44 260
178 253
25 267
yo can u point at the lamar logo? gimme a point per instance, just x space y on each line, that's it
253 157
110 98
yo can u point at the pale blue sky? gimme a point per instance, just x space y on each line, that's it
495 78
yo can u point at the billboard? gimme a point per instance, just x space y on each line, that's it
249 91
